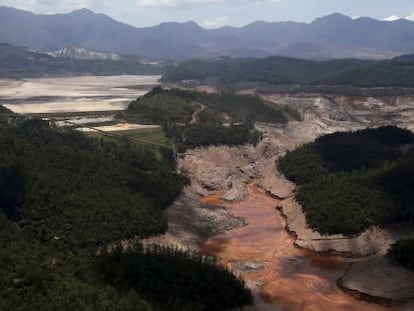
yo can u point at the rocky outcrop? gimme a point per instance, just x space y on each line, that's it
379 278
229 169
238 192
191 222
373 241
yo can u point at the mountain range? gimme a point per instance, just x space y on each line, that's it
332 36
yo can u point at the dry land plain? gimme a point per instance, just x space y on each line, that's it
73 95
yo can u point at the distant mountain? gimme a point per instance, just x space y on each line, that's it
73 52
82 53
333 36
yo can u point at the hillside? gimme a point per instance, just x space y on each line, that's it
19 62
66 203
281 71
193 119
349 181
332 36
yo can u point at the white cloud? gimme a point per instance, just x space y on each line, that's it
410 17
391 18
215 23
192 3
65 6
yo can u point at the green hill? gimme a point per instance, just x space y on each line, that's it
350 181
65 199
398 72
222 118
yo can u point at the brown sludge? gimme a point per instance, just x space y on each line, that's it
292 279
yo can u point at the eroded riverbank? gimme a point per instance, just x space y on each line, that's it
263 252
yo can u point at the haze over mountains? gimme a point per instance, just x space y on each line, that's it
333 36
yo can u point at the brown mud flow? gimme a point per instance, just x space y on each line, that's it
293 279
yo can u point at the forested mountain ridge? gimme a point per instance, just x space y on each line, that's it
275 70
333 36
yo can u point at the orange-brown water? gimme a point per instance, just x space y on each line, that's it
293 279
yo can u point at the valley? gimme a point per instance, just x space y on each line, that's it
238 206
275 250
205 155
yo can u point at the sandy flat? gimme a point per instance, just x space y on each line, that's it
73 86
118 127
116 104
74 94
84 120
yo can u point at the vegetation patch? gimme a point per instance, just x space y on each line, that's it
173 279
277 70
85 192
63 196
350 181
192 118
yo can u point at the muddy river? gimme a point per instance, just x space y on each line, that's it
293 279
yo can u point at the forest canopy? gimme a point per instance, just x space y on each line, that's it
278 70
65 196
350 181
192 118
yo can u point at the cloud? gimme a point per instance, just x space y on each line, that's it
410 17
47 5
64 6
215 23
391 18
192 3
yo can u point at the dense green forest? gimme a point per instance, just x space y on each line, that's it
199 279
223 118
63 196
350 181
282 70
84 181
18 62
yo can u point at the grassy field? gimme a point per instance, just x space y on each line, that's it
152 135
153 139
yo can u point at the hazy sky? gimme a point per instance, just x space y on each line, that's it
214 13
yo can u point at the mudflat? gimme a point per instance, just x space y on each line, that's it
73 94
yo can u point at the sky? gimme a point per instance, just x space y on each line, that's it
216 13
